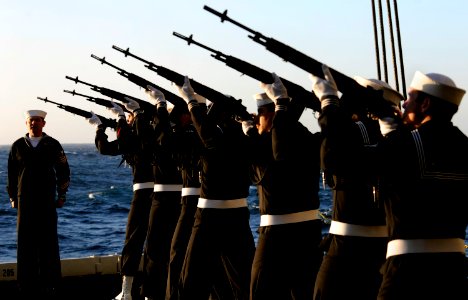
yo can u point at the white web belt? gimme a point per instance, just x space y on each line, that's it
167 188
346 229
222 204
308 215
190 191
397 247
143 185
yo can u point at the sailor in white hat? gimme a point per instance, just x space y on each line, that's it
430 171
38 180
431 95
349 142
35 113
423 167
285 161
263 120
35 122
265 112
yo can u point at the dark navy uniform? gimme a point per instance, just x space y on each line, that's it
139 157
425 178
35 176
165 207
286 172
357 240
221 245
188 157
129 145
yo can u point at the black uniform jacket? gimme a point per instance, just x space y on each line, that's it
349 154
225 158
286 165
426 175
37 171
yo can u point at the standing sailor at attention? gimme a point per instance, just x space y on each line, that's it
38 179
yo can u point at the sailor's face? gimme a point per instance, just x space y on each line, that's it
265 121
130 119
35 125
413 113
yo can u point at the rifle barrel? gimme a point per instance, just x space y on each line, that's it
71 92
224 17
128 53
76 80
77 94
190 40
104 61
47 100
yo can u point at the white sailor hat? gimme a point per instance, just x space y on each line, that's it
437 85
389 93
35 113
262 99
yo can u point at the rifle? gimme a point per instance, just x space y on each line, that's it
235 106
111 123
146 106
140 81
294 90
344 83
100 101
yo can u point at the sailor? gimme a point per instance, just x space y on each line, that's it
423 164
285 167
187 153
221 246
130 146
356 244
426 253
167 189
37 183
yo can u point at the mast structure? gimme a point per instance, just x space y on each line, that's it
380 46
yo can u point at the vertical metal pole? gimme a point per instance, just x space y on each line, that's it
376 39
382 33
402 70
392 40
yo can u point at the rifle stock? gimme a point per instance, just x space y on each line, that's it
213 95
345 84
294 90
80 112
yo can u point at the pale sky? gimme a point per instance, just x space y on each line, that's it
43 41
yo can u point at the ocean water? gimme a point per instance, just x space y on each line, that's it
93 220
